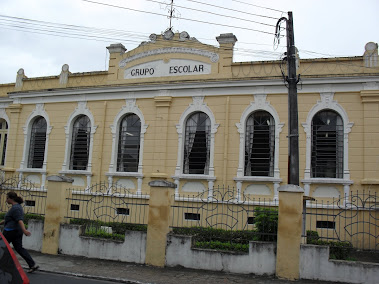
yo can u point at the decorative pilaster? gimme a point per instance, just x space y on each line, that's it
12 145
162 104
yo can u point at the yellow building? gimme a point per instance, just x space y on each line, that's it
176 109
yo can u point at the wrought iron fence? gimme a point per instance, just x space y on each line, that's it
353 218
224 209
34 198
107 204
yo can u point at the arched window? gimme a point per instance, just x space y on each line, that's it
129 144
197 144
3 140
327 145
37 143
80 143
260 144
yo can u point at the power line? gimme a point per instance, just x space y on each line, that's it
182 18
81 32
259 6
212 13
78 32
106 35
234 10
69 27
61 33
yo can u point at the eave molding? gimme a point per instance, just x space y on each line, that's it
184 88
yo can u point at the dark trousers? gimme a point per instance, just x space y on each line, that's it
15 237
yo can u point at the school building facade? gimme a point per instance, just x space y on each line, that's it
182 111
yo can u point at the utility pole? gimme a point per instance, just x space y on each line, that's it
293 121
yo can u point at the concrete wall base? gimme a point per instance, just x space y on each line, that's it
261 259
316 265
131 250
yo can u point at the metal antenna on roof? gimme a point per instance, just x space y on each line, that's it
171 13
169 34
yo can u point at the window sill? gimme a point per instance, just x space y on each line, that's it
258 179
194 177
76 172
328 181
124 174
31 170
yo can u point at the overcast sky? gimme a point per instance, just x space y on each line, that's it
42 35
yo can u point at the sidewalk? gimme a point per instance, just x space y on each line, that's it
121 272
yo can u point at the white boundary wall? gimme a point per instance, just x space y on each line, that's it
315 265
133 249
34 242
261 259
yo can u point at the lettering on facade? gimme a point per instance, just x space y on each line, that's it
175 67
186 69
142 72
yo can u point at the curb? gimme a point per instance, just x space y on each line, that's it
117 280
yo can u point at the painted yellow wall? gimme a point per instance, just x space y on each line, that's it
161 138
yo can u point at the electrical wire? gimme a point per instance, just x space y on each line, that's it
233 10
215 14
10 19
106 35
259 6
181 18
238 52
78 32
72 31
282 61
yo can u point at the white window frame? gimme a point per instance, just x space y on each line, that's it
38 111
130 107
197 105
4 116
188 133
81 109
259 104
327 103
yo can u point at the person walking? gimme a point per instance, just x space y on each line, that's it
14 228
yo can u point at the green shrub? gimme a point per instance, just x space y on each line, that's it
266 223
98 232
28 217
93 228
201 234
217 245
338 250
312 236
218 239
